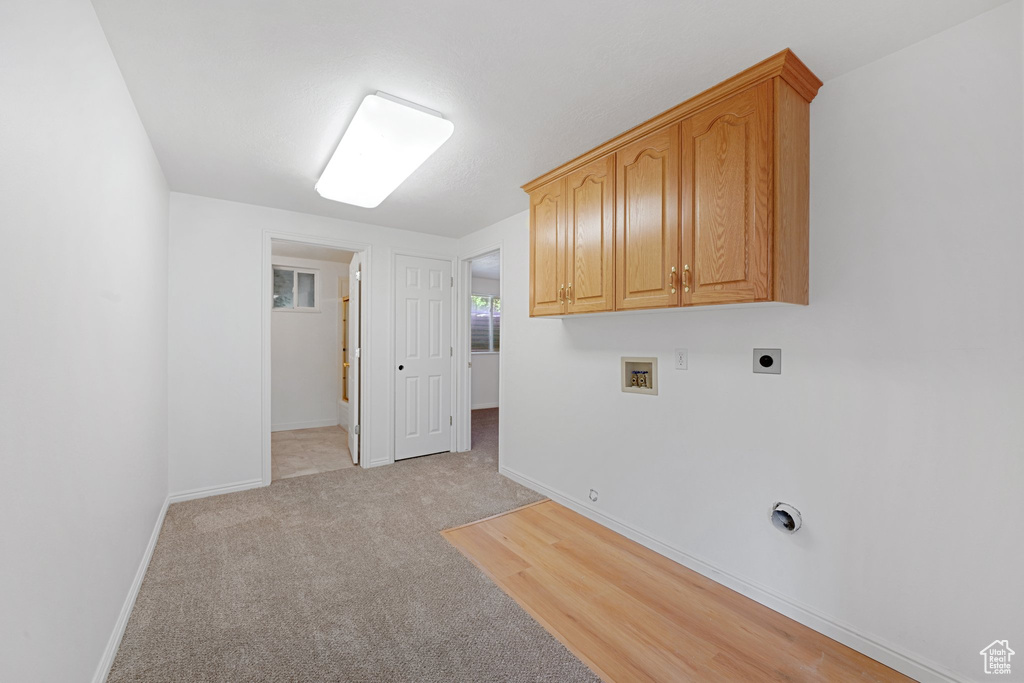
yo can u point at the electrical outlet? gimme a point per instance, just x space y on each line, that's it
680 359
768 361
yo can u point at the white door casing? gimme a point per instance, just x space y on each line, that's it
354 355
423 355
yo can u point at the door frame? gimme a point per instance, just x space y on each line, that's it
267 283
463 373
392 345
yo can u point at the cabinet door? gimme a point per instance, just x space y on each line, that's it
590 203
547 249
647 226
726 182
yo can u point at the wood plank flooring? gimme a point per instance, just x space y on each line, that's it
632 615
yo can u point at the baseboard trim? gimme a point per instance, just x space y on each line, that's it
484 406
308 424
887 653
207 491
107 661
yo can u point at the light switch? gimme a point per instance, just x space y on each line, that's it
680 359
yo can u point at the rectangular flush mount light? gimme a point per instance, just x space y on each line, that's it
387 140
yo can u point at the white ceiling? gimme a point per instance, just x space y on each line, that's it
487 266
309 251
247 100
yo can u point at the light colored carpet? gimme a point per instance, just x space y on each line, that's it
298 452
485 432
341 576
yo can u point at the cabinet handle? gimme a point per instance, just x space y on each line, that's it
686 278
568 296
672 279
561 294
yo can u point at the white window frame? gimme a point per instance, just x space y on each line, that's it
490 326
295 290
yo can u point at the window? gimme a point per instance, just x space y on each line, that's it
485 324
296 289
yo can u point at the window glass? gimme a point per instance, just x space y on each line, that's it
496 323
307 290
284 283
479 323
485 323
295 289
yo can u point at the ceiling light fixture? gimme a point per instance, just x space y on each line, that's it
387 140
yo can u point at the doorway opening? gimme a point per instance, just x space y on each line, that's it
484 332
315 337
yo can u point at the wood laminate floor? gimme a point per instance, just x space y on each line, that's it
632 615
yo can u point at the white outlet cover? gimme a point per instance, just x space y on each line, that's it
681 360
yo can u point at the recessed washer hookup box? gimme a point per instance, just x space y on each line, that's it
640 375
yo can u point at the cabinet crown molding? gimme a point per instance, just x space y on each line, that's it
785 65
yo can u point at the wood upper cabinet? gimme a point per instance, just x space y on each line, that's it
726 192
590 237
706 203
547 249
647 231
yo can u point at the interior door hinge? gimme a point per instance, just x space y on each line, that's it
357 430
450 420
359 275
452 278
451 351
357 352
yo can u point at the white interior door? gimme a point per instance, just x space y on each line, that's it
354 355
423 354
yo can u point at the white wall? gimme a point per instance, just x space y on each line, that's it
896 425
215 341
485 380
485 286
83 344
304 355
484 376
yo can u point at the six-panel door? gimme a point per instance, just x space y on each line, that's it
547 249
590 237
647 225
423 354
726 188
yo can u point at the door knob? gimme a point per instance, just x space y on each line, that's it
401 367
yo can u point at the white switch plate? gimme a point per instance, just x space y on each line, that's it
680 359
